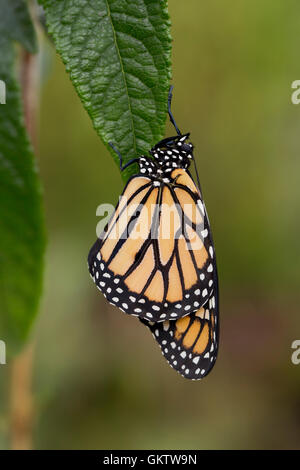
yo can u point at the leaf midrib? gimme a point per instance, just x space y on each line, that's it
123 74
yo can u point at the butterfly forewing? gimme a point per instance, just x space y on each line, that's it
155 259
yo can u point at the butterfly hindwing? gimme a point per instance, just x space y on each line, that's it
190 344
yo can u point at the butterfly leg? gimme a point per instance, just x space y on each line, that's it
122 167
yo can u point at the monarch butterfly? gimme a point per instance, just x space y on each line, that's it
156 258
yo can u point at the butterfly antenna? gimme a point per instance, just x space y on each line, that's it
170 96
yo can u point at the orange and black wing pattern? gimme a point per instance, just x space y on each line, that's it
190 344
156 260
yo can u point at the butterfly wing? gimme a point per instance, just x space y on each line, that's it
156 258
191 270
190 344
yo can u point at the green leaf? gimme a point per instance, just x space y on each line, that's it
16 24
22 237
118 55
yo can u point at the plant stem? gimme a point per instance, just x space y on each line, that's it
21 399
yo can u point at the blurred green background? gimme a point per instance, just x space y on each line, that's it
99 378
